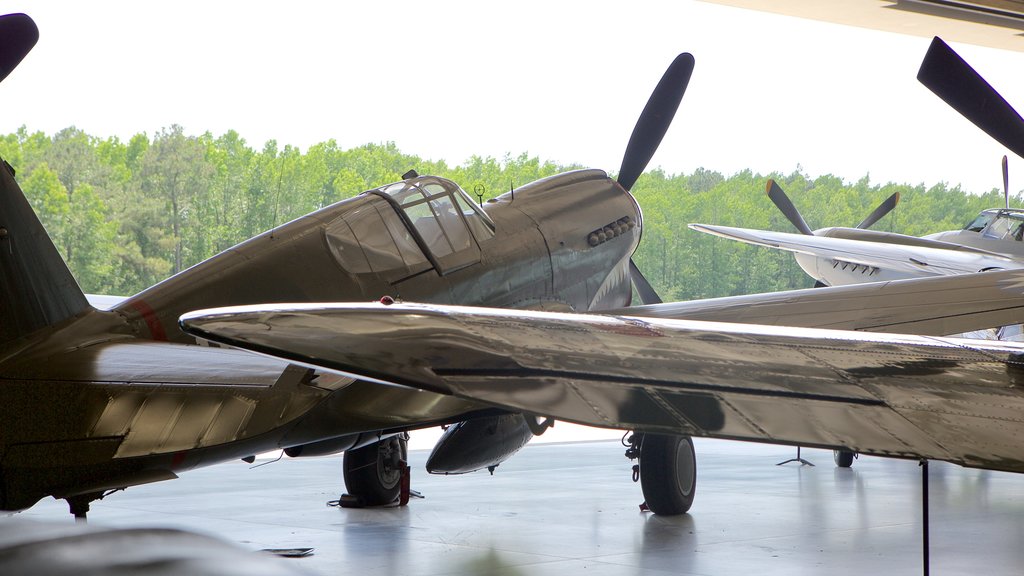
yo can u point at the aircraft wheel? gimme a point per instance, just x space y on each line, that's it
373 473
843 458
668 473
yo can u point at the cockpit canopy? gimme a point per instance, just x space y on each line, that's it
403 229
445 218
999 224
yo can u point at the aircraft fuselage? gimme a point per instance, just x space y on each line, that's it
115 398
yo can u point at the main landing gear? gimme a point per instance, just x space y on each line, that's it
79 505
666 470
377 474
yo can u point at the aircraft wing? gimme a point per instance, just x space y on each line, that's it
895 395
923 306
869 235
917 260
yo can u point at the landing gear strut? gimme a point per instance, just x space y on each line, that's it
374 473
79 505
667 471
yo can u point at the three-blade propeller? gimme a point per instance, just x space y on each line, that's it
785 205
953 80
647 135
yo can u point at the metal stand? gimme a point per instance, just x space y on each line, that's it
924 517
797 459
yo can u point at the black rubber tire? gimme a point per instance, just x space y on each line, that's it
668 473
373 473
843 458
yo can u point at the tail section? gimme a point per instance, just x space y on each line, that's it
36 288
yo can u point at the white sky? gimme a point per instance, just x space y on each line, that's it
563 80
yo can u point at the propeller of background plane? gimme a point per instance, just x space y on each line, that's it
951 78
783 203
650 129
18 34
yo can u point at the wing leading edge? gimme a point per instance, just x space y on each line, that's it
911 256
895 395
923 306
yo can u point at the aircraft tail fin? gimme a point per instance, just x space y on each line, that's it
36 287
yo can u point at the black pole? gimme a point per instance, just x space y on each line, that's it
924 515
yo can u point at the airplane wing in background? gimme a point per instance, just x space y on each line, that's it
893 395
922 306
920 259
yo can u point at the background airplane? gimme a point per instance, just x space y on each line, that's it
994 240
99 400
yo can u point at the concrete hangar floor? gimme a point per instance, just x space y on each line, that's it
570 508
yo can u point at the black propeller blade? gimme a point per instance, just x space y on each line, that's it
647 135
18 34
883 209
785 206
643 287
655 119
1006 182
946 74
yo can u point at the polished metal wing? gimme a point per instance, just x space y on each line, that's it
896 395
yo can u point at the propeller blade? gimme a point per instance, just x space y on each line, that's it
18 34
655 119
883 209
643 287
784 205
951 78
1006 182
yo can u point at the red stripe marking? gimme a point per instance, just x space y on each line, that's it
177 460
156 329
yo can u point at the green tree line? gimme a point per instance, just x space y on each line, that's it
126 215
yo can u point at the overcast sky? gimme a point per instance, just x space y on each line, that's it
562 80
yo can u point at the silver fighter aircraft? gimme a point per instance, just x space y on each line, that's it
994 240
99 400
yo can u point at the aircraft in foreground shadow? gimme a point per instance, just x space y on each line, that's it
994 240
100 400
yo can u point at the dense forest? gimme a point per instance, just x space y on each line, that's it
125 215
